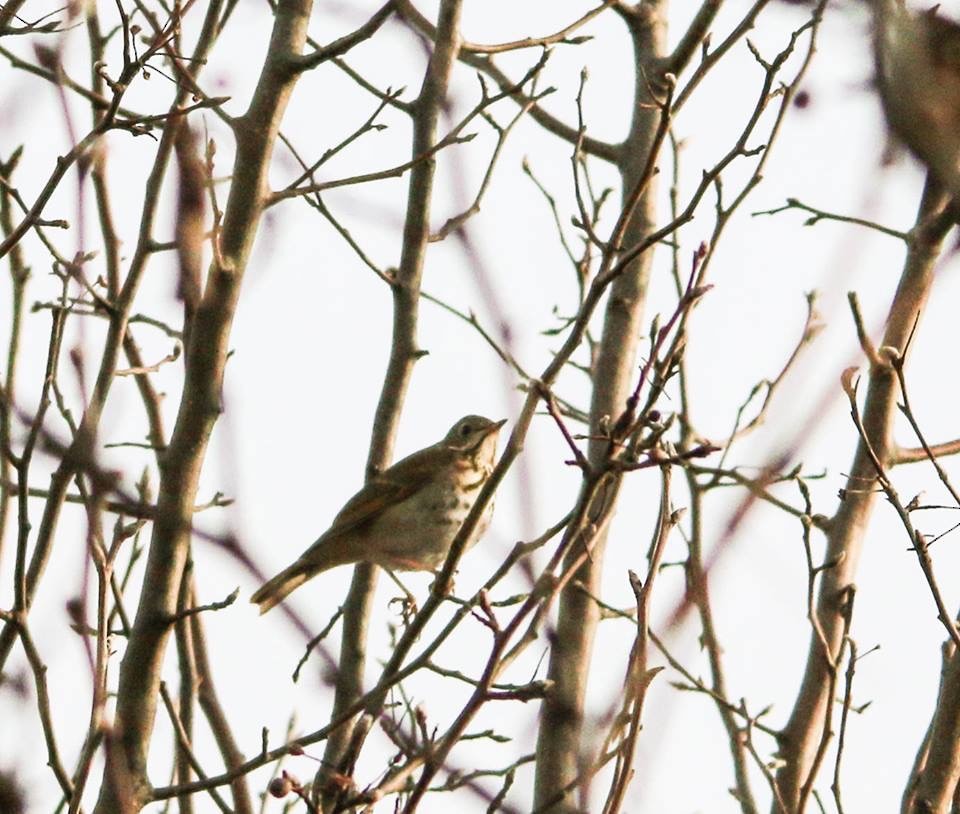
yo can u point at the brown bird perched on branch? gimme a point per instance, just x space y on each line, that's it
407 516
917 59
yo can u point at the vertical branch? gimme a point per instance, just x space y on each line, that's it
7 14
215 715
639 675
936 777
558 745
403 352
98 169
206 354
801 738
104 566
117 315
694 565
697 589
19 273
186 663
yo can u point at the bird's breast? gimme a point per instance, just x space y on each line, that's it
420 529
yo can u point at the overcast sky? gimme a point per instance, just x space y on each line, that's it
310 344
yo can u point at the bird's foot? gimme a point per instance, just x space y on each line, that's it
407 602
408 607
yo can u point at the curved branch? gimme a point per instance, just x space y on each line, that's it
538 42
340 46
804 731
692 38
912 455
594 147
716 55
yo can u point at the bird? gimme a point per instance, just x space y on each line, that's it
917 56
406 517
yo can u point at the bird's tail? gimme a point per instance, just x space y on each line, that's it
275 590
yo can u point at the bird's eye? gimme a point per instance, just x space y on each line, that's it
465 430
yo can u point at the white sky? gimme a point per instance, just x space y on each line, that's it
311 338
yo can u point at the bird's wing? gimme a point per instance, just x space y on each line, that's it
393 485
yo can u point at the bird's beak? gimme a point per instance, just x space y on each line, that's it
495 427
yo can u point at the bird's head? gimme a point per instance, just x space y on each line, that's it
472 432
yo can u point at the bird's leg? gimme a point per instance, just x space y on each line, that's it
408 603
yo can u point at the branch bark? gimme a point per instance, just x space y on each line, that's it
404 352
78 455
561 722
936 775
256 133
801 737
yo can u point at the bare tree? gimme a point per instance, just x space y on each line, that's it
638 232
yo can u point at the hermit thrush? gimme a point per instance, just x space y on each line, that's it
918 74
407 516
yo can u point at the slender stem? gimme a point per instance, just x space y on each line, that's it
404 352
